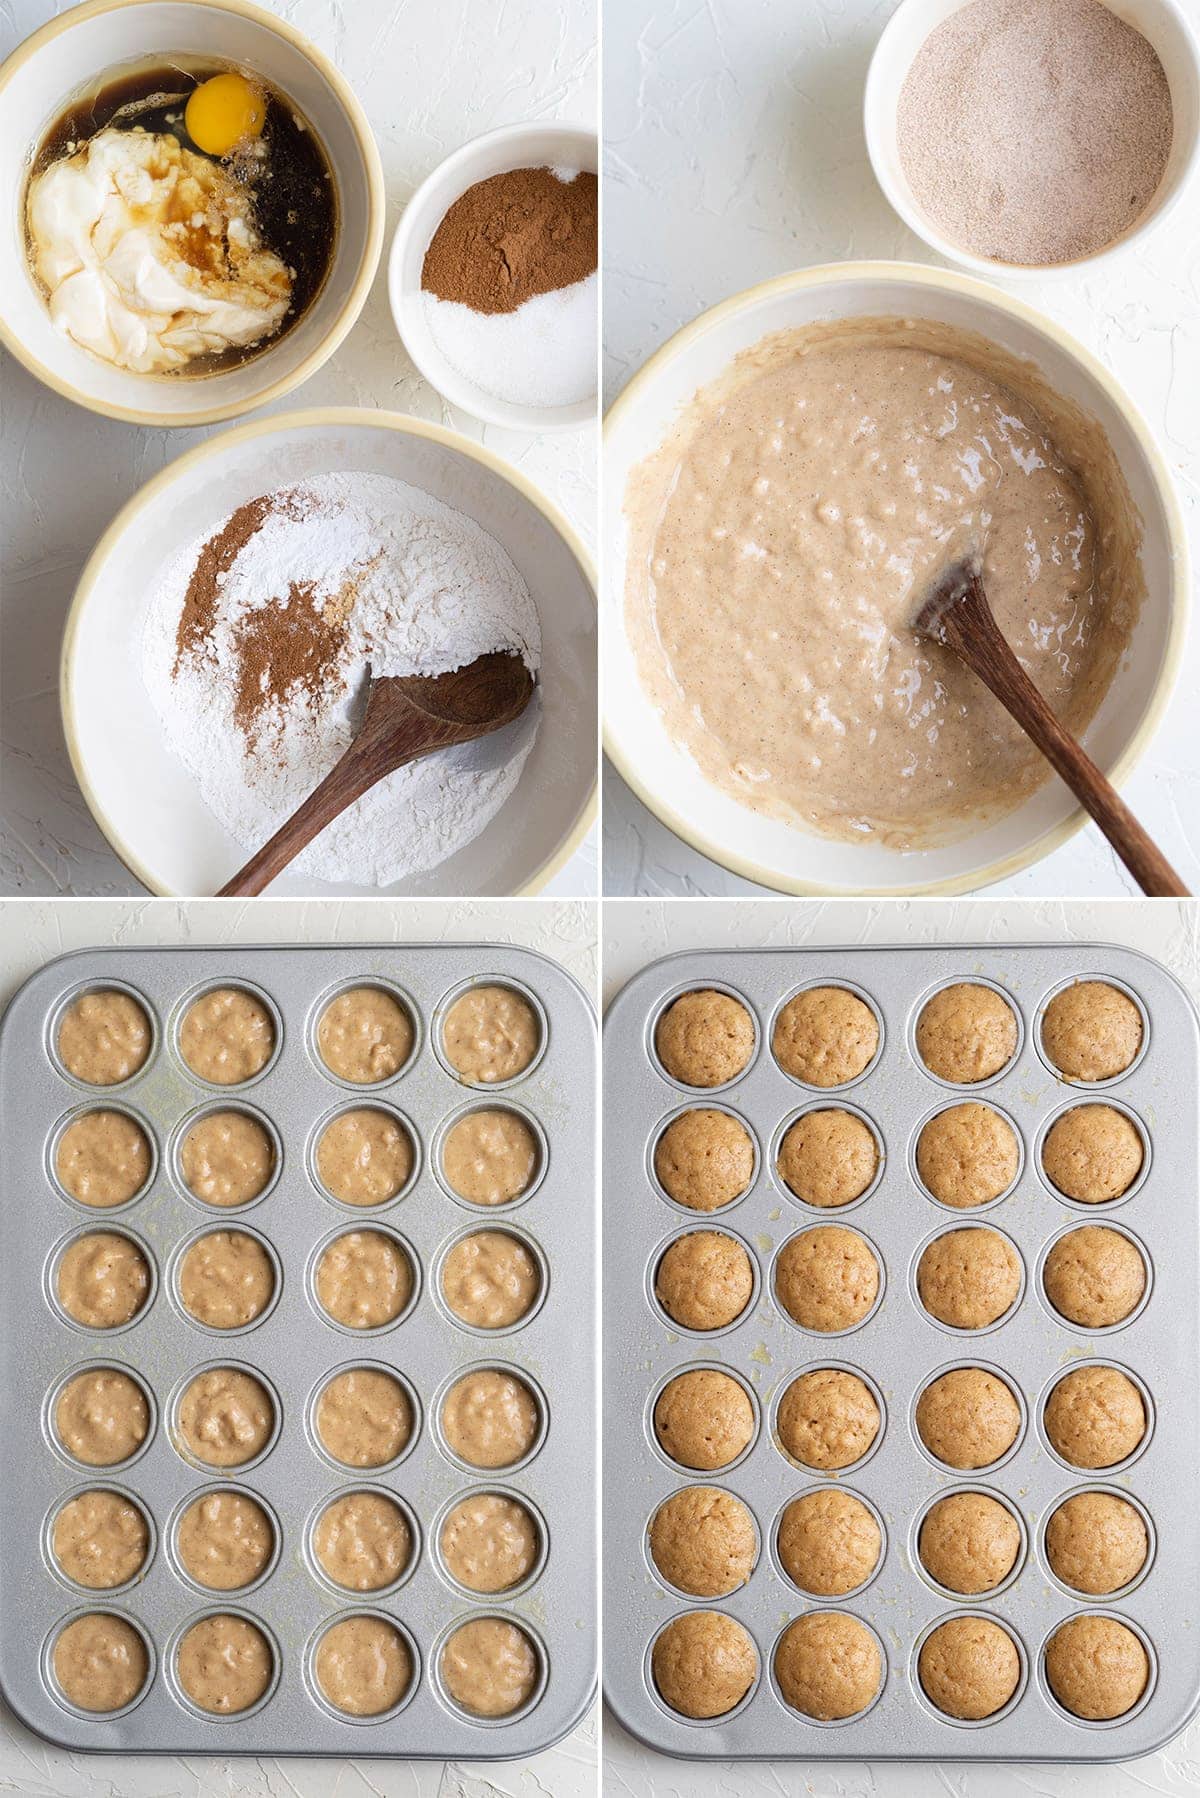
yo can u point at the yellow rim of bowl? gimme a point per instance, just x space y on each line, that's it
946 280
349 417
368 263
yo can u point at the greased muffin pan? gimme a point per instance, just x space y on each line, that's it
284 1388
858 1331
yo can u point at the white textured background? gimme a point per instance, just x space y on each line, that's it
735 152
637 932
34 932
431 74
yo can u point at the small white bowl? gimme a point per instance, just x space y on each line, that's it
511 147
143 798
87 41
1162 22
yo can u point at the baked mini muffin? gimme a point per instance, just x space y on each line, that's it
825 1036
1096 1543
1096 1667
828 1542
827 1419
703 1664
705 1038
704 1159
703 1541
967 1155
1091 1031
1093 1154
704 1281
827 1278
969 1668
966 1033
828 1666
828 1158
969 1278
703 1419
968 1418
1094 1277
1095 1417
969 1542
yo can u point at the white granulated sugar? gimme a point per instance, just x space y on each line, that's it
543 354
428 591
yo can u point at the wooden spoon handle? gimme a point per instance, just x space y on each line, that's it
346 781
971 631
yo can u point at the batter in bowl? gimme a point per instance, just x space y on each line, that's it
490 1280
224 1664
490 1034
364 1157
782 538
365 1036
363 1666
225 1417
489 1543
227 1036
103 1159
100 1662
103 1280
102 1417
100 1540
364 1418
224 1540
490 1667
227 1158
362 1541
490 1419
364 1280
489 1157
226 1280
104 1037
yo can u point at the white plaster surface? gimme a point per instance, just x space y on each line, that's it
33 932
636 932
431 77
734 152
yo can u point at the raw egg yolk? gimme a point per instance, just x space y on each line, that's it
223 111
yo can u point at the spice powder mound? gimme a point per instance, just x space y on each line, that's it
512 237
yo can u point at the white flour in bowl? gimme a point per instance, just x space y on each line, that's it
256 648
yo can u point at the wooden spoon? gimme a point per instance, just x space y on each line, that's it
406 717
957 615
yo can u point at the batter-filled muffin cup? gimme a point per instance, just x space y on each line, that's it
829 1542
490 1667
969 1279
969 1668
102 1417
828 1157
828 1419
703 1664
825 1036
100 1539
363 1665
1096 1543
705 1038
100 1662
1096 1667
225 1664
365 1035
704 1281
967 1156
227 1158
364 1417
966 1033
224 1540
225 1417
704 1159
364 1279
365 1157
226 1280
1093 1154
968 1418
1091 1031
104 1037
103 1159
491 1280
827 1279
227 1036
490 1157
103 1280
703 1542
969 1543
490 1542
704 1419
1095 1417
363 1541
828 1666
1095 1277
491 1418
491 1034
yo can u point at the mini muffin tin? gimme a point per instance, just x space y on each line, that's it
899 1348
293 1349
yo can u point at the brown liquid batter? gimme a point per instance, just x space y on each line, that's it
227 1158
490 1667
363 1541
224 1664
226 1280
364 1157
100 1540
491 1033
102 1417
100 1662
227 1036
103 1159
103 1280
490 1419
489 1543
224 1540
225 1417
363 1666
104 1037
364 1418
490 1280
783 536
489 1157
364 1280
365 1036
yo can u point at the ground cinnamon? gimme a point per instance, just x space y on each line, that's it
514 236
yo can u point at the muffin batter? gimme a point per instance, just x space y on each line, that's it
825 1036
783 536
490 1419
1094 1277
828 1158
364 1418
489 1543
489 1157
969 1543
827 1278
968 1418
490 1034
969 1668
828 1666
363 1541
103 1159
224 1540
703 1542
704 1281
364 1280
363 1666
967 1156
365 1036
1096 1543
827 1419
1096 1667
227 1158
227 1036
828 1542
703 1419
490 1280
704 1160
1092 1154
225 1417
226 1280
1095 1417
103 1280
705 1038
224 1664
100 1662
1091 1031
104 1037
102 1417
966 1033
489 1667
703 1664
100 1540
364 1157
968 1279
